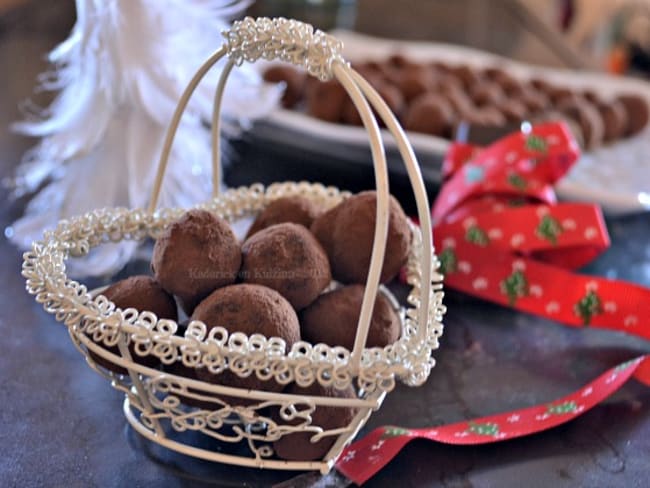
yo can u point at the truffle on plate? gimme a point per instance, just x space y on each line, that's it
295 209
614 117
325 99
297 446
196 255
638 113
142 293
249 309
347 235
588 118
332 319
287 258
486 94
429 113
293 79
415 81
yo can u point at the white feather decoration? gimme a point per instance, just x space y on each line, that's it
119 76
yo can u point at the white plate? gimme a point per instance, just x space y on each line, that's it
617 176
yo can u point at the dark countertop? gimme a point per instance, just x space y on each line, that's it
62 424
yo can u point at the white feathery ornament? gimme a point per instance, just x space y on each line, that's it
119 76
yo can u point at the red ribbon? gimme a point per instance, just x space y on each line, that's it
501 236
362 460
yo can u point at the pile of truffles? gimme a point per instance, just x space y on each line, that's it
276 283
434 97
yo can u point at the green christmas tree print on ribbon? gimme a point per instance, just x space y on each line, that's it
536 143
477 236
486 428
448 261
561 408
515 286
549 228
516 181
394 432
588 306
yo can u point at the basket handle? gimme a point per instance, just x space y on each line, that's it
320 55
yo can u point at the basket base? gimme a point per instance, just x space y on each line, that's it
132 417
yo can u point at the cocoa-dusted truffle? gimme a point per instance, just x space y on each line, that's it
534 100
296 209
298 446
561 95
589 119
347 235
293 79
513 110
467 75
287 258
388 92
430 114
486 94
250 309
142 293
179 369
488 116
332 319
637 111
615 119
325 99
415 81
194 256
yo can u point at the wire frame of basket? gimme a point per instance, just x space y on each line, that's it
167 402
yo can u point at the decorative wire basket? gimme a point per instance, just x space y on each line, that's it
156 401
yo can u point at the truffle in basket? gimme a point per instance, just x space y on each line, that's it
347 234
287 258
295 209
142 293
249 309
195 255
332 319
298 446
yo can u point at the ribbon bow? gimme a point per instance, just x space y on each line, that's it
501 236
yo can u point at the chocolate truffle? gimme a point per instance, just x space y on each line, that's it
287 258
388 92
561 95
347 234
293 79
144 294
493 73
325 99
298 446
429 113
179 369
400 61
467 75
542 85
488 116
513 110
589 119
332 319
534 100
486 93
615 119
296 209
195 255
250 309
510 85
636 108
415 81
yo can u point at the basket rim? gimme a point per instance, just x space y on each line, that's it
70 301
